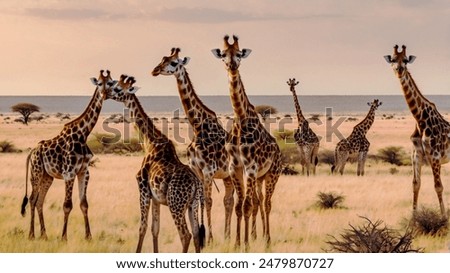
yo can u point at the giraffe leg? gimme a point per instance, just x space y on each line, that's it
308 159
228 202
258 198
314 158
193 219
208 181
37 173
33 199
144 203
251 172
343 157
237 178
83 179
46 182
271 180
156 213
361 163
67 206
417 162
438 187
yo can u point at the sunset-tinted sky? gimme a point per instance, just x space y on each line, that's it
52 47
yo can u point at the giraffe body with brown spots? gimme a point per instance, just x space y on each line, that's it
162 179
66 157
432 132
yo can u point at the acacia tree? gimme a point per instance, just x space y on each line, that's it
25 109
265 111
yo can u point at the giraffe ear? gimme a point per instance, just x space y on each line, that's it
388 58
94 81
216 52
411 59
186 60
246 52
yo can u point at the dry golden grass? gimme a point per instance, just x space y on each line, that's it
297 225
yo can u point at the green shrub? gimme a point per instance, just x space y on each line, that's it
102 143
394 155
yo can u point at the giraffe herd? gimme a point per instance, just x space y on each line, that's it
247 158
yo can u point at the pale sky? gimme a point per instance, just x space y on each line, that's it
51 47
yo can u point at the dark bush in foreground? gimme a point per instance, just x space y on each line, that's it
430 222
372 238
329 200
8 147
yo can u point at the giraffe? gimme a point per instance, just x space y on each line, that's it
162 179
67 157
306 139
252 150
206 152
356 142
431 134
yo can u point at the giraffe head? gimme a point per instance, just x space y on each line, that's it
231 55
170 64
399 60
124 88
104 83
292 83
374 104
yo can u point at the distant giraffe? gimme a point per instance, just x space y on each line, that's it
431 134
252 150
306 139
67 157
355 143
206 153
162 179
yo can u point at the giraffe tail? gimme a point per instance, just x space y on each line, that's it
25 198
201 229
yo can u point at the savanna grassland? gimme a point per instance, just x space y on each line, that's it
297 224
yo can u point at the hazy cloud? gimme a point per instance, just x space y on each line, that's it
67 14
210 15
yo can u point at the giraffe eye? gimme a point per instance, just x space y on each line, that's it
173 64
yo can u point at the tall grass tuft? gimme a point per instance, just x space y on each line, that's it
428 221
329 200
8 147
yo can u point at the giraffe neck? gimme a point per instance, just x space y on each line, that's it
367 122
300 116
414 98
84 124
241 105
147 130
194 108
